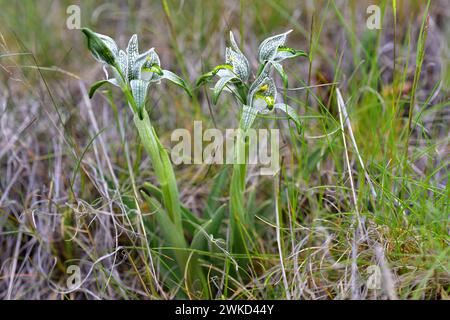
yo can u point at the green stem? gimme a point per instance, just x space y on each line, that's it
172 228
238 219
162 166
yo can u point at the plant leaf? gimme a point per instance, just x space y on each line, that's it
218 187
210 227
188 216
169 75
172 235
99 84
290 112
220 85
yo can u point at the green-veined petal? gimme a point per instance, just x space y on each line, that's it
122 61
288 53
268 48
139 90
266 89
234 44
132 54
236 58
248 117
145 65
220 85
103 48
264 73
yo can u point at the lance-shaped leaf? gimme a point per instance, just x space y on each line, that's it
288 53
99 84
169 75
209 228
170 231
220 85
290 112
187 216
139 90
103 48
268 48
248 116
237 60
132 54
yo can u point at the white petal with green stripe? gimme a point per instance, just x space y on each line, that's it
103 48
268 48
236 58
132 54
288 53
220 86
248 117
139 90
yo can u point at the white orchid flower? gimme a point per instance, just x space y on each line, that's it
133 71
